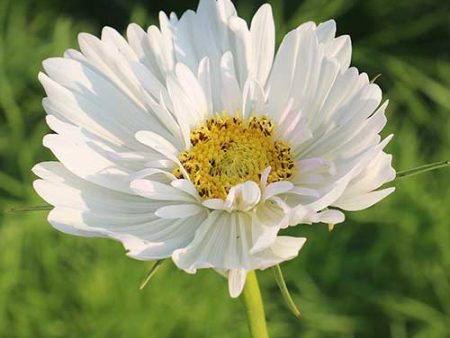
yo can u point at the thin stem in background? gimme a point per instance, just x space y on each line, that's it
151 273
254 307
34 208
285 291
422 169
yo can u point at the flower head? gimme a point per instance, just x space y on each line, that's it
195 141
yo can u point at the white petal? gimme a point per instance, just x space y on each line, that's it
215 203
236 281
86 209
184 110
161 145
262 33
242 46
184 44
160 52
253 99
204 79
160 110
96 167
331 216
81 112
179 211
168 237
276 188
223 242
192 87
159 191
285 248
326 31
267 220
265 175
110 57
60 187
111 37
280 79
148 80
243 196
196 254
341 49
158 143
167 27
164 176
186 186
139 42
378 171
364 201
304 191
231 92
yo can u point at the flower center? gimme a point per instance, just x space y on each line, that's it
229 150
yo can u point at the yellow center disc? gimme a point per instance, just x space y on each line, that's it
229 150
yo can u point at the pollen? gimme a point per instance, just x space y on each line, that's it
230 150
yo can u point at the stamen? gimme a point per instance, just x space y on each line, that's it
229 150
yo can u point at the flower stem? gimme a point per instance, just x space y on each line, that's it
34 208
255 307
285 291
422 169
151 273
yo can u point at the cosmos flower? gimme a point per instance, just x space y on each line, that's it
196 141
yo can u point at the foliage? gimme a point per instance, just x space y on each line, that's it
383 273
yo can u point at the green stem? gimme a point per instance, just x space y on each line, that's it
34 208
422 169
285 291
255 307
151 273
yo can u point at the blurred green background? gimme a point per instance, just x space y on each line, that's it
385 272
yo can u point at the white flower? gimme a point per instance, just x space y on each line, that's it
193 141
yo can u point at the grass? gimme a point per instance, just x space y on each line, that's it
383 273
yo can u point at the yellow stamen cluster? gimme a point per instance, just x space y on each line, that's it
229 150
